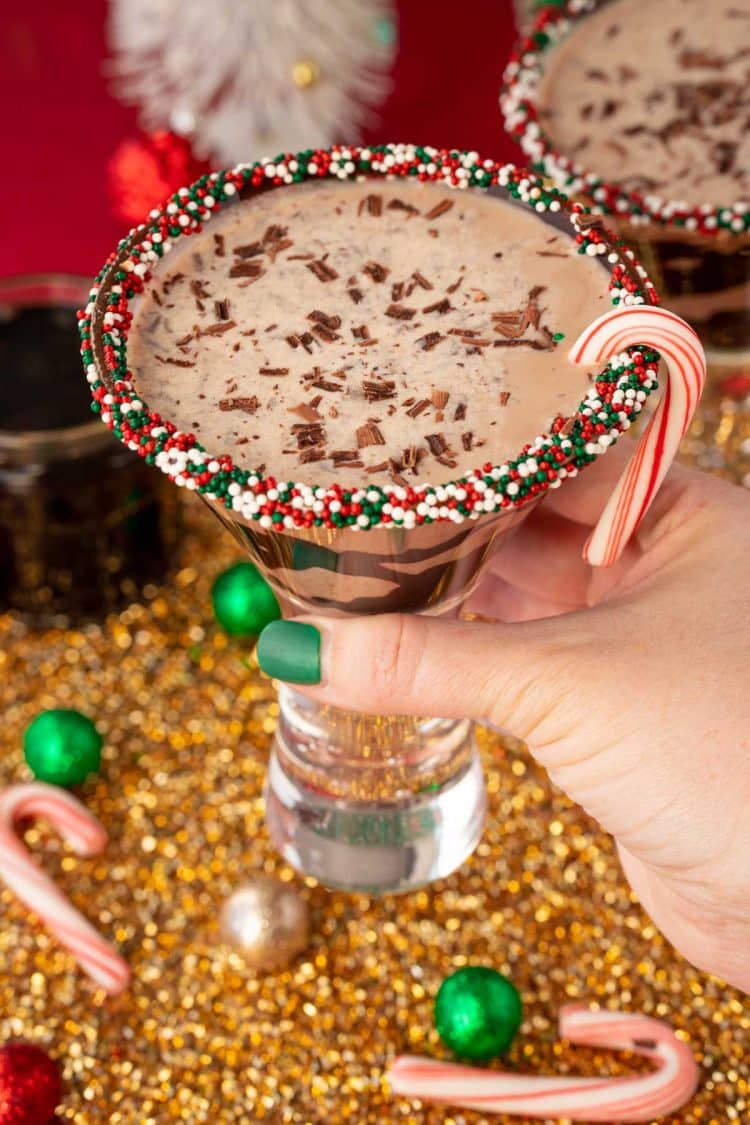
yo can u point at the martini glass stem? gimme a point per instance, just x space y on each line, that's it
372 803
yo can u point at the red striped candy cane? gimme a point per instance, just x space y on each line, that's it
19 872
610 1100
683 356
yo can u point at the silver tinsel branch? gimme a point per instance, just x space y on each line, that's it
247 78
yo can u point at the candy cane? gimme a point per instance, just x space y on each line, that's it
610 1100
683 356
17 869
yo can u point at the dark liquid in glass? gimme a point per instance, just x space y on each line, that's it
83 524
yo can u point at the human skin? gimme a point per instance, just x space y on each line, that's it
629 685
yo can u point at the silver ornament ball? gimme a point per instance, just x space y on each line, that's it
266 921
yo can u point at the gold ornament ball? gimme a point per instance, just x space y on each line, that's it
266 921
305 73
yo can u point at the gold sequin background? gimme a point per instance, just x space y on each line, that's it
187 720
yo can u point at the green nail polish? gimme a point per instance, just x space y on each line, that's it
290 651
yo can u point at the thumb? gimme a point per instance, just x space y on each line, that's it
517 676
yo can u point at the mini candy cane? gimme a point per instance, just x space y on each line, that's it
683 356
610 1100
17 869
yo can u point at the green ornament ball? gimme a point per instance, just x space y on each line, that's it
62 747
477 1012
243 601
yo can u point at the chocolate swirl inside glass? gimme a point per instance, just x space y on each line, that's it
379 331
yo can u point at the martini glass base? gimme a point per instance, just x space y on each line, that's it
372 847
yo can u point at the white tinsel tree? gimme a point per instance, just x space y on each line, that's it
247 78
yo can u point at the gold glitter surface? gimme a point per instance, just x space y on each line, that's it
187 720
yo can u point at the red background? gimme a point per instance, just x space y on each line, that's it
62 124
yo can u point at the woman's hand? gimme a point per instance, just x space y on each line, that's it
630 685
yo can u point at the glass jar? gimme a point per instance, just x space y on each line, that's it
83 523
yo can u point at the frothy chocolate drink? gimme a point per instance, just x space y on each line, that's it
656 98
391 331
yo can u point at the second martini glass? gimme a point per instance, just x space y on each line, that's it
358 801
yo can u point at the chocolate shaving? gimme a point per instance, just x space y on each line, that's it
397 290
293 341
325 333
460 412
440 399
400 312
439 209
373 204
276 248
436 444
199 291
478 295
312 454
307 340
430 341
379 468
322 270
467 440
323 384
550 254
395 470
439 307
361 333
355 294
375 390
273 370
251 269
374 270
250 251
422 281
175 362
366 343
217 329
399 205
308 434
504 398
447 461
172 280
246 405
535 345
418 407
698 57
410 458
456 284
369 434
274 233
724 154
221 310
219 246
300 257
324 319
345 457
181 343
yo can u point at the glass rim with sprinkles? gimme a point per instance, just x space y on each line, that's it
613 401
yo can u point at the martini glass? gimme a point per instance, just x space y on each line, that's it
358 801
698 257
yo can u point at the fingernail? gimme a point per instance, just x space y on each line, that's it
290 651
